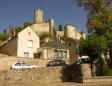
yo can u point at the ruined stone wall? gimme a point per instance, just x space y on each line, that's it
59 33
71 32
41 28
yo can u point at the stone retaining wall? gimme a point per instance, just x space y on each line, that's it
7 61
48 74
93 79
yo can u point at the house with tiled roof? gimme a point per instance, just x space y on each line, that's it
24 44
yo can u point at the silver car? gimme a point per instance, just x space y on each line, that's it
22 65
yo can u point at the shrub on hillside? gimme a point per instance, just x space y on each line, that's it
4 37
106 70
44 35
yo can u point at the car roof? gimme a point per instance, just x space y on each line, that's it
19 62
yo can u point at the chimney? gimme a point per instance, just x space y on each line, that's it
14 32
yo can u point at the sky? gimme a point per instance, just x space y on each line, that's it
16 12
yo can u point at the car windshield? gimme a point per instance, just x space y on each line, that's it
18 64
85 60
82 61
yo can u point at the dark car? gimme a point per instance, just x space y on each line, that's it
82 61
56 63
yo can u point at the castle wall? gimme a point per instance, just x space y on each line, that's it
52 29
71 32
40 28
59 33
38 16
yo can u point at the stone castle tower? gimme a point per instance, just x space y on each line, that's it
38 16
40 26
71 32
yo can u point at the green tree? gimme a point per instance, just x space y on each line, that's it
64 38
17 29
98 12
93 46
60 27
99 18
44 35
102 22
27 24
109 44
4 37
5 31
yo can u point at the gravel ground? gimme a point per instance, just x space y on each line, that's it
58 84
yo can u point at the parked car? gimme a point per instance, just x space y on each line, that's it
82 61
22 65
56 63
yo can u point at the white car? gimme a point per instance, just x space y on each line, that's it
22 65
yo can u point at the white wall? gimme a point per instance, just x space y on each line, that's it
23 38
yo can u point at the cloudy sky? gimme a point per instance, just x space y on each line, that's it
16 12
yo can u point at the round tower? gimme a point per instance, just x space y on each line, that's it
38 16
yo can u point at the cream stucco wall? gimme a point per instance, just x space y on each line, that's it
23 38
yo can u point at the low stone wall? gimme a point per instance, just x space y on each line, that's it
86 70
87 76
93 79
7 61
48 74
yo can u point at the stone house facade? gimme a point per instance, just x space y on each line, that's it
54 51
24 44
73 49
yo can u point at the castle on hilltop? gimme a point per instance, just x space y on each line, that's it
41 26
28 43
